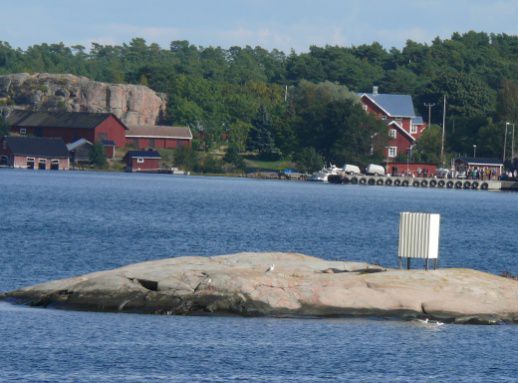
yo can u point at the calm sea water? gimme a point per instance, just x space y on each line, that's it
55 225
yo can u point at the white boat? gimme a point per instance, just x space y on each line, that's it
324 173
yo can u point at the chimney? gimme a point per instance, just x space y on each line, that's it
375 90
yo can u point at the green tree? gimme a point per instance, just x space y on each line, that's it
97 156
428 148
261 137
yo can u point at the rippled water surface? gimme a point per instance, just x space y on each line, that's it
55 225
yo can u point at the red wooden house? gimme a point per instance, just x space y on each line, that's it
397 110
159 137
70 126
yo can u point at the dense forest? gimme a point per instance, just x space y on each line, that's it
280 105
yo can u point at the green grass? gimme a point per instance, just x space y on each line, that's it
269 165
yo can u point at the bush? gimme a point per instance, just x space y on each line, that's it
212 165
308 160
232 157
186 158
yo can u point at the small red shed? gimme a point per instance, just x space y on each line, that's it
142 161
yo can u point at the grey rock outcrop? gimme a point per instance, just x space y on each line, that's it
134 104
298 285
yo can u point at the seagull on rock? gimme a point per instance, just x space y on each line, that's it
271 268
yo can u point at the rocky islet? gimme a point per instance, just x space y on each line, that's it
283 285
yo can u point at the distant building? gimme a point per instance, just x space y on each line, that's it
34 153
466 165
159 137
70 126
397 111
142 160
80 151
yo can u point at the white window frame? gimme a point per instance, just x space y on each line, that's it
23 131
392 152
140 160
392 133
383 117
413 129
364 107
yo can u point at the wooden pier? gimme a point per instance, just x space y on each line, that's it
421 182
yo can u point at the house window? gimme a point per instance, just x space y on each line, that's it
392 151
393 133
364 107
140 160
383 117
23 131
413 129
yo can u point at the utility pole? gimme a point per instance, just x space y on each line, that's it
512 145
443 130
505 140
429 106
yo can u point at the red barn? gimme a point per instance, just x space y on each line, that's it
397 110
142 161
70 126
159 137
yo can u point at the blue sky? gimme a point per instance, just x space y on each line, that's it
282 24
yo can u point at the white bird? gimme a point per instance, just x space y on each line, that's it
271 268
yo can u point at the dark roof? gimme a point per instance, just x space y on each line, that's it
480 160
395 105
78 120
37 146
143 153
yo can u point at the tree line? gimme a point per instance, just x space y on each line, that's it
279 105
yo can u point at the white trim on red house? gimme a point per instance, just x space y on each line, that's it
402 130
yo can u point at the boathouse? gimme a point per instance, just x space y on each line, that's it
490 168
142 161
35 153
70 126
159 137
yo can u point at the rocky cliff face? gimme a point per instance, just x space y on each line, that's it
133 104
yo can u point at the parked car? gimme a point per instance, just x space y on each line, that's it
375 170
351 169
